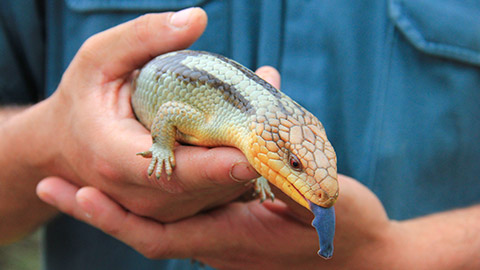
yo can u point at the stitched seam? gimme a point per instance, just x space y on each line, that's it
382 90
407 26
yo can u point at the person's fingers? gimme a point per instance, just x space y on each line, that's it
120 50
269 74
182 239
219 165
154 240
91 206
61 194
150 238
195 166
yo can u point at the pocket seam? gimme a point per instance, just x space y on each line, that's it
406 25
137 5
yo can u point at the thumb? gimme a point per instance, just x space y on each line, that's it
116 52
269 74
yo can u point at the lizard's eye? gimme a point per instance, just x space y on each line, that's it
294 162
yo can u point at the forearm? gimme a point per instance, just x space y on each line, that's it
448 240
22 133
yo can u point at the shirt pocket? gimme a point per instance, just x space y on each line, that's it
445 28
428 107
130 6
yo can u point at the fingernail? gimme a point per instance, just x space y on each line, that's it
86 206
44 196
242 172
180 18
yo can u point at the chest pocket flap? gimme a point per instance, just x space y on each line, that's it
128 5
445 28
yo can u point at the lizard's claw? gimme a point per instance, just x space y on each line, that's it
161 158
262 188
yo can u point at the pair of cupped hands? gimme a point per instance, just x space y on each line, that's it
102 181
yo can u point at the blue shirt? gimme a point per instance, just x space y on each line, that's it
396 84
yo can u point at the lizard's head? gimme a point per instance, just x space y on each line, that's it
296 156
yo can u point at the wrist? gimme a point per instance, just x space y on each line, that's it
24 150
437 241
411 247
27 140
395 245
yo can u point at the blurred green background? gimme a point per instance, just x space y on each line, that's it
22 255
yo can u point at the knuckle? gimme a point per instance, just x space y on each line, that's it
141 27
149 251
208 172
90 42
217 170
145 207
88 48
154 251
111 229
106 170
140 207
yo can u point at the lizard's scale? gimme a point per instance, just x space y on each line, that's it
206 99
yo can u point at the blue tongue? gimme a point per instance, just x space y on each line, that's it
324 223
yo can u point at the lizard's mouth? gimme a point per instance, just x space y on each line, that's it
320 197
290 189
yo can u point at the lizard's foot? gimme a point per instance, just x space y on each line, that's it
161 158
262 188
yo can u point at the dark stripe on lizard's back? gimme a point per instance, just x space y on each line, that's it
250 74
172 63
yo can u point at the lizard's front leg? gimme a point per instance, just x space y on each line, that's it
171 116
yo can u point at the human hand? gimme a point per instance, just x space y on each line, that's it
96 136
244 235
